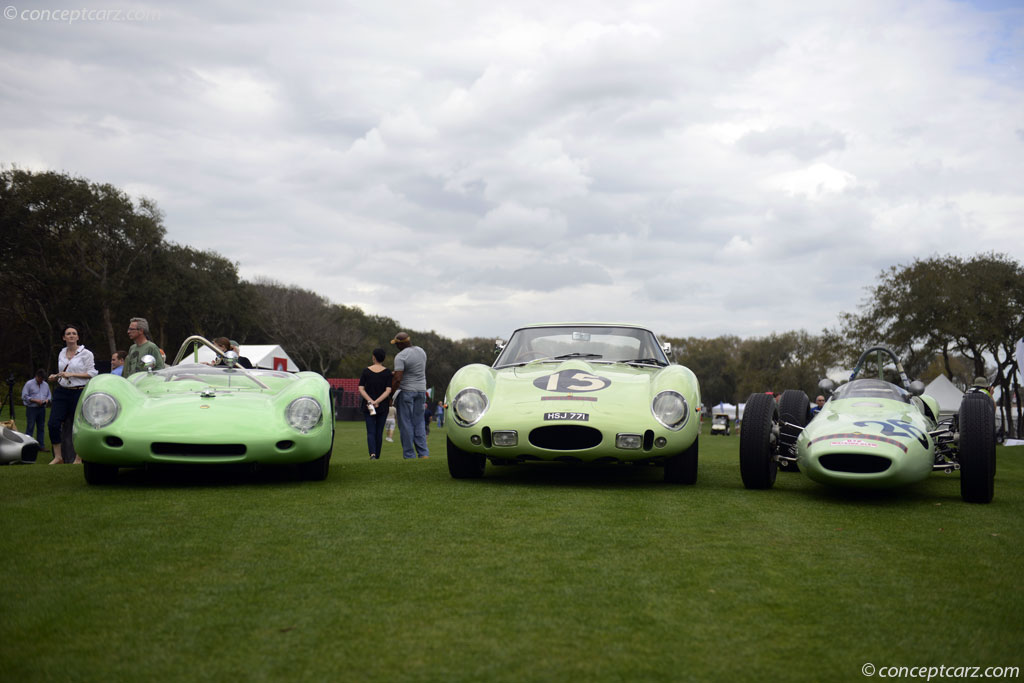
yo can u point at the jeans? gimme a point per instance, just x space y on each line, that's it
36 418
62 417
375 429
411 427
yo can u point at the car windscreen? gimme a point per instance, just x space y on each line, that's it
598 344
871 388
215 376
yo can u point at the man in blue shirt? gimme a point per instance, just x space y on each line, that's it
410 377
117 362
36 396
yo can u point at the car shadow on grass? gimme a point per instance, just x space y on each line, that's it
176 476
931 491
568 475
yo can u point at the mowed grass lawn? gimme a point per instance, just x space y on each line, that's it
392 571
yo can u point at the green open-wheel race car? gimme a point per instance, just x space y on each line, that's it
871 433
198 414
575 393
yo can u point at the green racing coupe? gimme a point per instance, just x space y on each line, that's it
198 414
575 393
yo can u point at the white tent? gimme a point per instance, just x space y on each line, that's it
269 356
948 396
733 411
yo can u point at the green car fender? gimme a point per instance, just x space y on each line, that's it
475 376
675 378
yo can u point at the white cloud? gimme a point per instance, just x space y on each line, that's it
703 168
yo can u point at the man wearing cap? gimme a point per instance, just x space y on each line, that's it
983 386
410 377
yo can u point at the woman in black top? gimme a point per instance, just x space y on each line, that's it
375 388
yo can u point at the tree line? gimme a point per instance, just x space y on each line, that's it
74 251
960 317
83 253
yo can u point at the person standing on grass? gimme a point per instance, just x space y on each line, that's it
138 332
375 388
390 423
75 367
409 384
36 396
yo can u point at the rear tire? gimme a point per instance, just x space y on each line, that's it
98 474
682 468
795 408
758 466
977 455
463 465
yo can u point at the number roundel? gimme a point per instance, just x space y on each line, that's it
572 382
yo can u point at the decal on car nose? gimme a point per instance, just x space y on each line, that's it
571 381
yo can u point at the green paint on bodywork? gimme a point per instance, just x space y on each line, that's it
615 397
206 407
884 428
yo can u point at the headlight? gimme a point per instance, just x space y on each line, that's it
469 406
303 413
99 410
670 409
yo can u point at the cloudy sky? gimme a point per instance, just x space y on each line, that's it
703 168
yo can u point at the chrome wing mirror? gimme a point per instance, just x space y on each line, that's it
827 386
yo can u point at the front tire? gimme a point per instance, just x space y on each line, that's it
758 466
977 449
317 470
463 465
794 408
682 468
98 474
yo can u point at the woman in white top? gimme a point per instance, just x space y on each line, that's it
75 367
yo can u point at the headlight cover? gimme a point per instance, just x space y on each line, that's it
100 409
303 413
670 409
469 406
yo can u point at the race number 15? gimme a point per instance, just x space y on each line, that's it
571 381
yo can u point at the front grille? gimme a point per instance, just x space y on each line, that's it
855 463
197 449
565 437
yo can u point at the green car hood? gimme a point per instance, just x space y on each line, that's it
862 434
603 386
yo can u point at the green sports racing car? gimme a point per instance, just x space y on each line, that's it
575 393
194 413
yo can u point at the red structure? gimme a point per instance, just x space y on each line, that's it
346 398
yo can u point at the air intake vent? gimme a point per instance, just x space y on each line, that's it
855 463
565 437
198 449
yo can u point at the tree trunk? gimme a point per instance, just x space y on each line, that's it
108 327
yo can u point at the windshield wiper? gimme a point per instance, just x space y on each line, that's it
643 361
550 358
